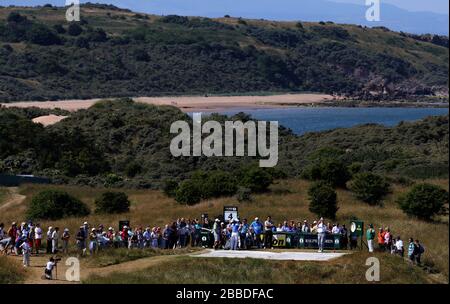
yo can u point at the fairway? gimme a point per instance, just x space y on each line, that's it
269 255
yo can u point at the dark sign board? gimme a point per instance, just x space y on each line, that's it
230 213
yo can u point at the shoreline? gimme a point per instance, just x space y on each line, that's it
225 103
192 103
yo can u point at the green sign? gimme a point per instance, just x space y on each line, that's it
357 228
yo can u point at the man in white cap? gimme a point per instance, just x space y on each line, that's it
49 239
257 228
65 240
81 241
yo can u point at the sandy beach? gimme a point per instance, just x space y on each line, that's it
193 103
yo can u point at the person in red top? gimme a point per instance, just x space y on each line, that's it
380 238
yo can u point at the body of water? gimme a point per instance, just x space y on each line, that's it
303 119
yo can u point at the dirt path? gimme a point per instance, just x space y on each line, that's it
36 270
13 198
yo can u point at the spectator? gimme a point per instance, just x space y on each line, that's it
344 237
93 241
412 251
65 240
81 241
387 239
399 247
420 251
55 239
49 239
335 229
370 236
37 238
305 227
26 249
268 233
380 238
243 231
257 228
216 233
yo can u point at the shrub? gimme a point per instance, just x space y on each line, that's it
218 183
333 171
112 202
424 201
42 35
170 187
243 194
55 204
188 192
369 187
133 169
323 200
74 29
256 179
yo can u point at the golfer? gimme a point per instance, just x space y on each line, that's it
321 230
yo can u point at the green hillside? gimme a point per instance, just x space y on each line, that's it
118 53
122 143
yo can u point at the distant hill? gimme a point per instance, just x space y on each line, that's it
395 17
122 143
119 53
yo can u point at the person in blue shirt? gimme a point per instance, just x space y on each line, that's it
243 230
257 230
234 234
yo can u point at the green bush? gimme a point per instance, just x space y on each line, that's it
256 179
369 187
74 29
189 192
424 201
332 171
54 205
170 187
217 184
112 202
323 200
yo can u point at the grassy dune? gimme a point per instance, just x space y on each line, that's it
287 200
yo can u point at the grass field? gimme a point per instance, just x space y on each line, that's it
287 200
188 270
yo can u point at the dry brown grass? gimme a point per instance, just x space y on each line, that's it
287 200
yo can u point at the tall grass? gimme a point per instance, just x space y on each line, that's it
11 272
190 270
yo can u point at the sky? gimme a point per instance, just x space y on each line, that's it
436 6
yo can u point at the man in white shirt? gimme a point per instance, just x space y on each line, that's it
335 229
37 237
399 246
321 230
55 238
49 268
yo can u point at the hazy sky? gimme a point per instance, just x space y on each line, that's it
436 6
